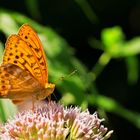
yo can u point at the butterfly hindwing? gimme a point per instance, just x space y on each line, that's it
16 83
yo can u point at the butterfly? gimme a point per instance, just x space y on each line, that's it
24 70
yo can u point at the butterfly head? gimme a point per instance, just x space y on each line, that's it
46 91
49 88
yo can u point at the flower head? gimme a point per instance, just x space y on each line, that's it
52 121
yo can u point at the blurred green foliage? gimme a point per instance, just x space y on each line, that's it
80 88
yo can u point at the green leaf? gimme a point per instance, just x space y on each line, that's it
7 109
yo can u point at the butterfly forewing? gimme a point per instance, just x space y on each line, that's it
30 36
19 53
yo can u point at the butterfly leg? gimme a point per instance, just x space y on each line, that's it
49 98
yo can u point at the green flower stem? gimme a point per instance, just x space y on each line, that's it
100 65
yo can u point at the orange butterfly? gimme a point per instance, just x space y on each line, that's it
24 71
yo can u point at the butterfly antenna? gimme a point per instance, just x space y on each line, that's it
65 77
